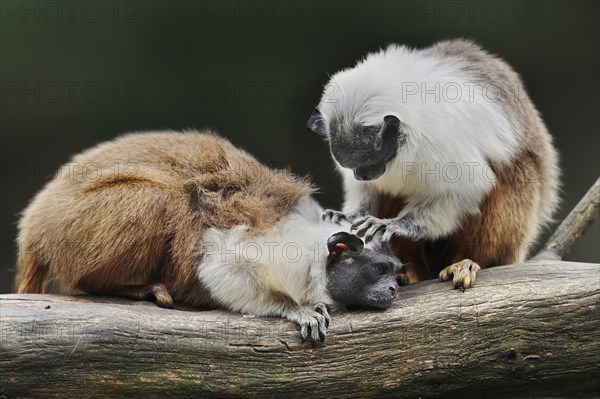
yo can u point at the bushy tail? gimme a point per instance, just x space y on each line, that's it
31 274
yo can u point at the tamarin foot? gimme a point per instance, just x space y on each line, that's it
162 296
402 278
463 273
156 291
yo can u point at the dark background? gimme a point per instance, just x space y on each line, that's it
76 73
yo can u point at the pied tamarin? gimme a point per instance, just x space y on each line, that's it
443 153
189 219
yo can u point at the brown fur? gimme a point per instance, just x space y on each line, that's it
126 217
523 199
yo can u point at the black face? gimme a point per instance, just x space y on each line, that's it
366 149
358 276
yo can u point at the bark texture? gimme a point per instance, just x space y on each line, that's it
574 226
522 330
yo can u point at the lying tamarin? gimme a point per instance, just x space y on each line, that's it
187 218
442 150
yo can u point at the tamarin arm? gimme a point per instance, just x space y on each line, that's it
429 220
236 289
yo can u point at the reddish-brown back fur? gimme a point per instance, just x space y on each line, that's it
132 211
501 233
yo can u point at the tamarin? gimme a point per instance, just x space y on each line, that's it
441 151
187 218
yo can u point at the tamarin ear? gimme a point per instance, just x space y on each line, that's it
342 242
389 131
315 124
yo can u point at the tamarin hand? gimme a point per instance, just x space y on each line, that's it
370 226
333 216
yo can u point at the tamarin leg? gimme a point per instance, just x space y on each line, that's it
157 292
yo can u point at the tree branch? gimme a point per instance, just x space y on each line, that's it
524 330
574 226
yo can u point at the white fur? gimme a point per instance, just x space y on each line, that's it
453 136
242 270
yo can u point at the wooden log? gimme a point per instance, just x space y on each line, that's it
529 329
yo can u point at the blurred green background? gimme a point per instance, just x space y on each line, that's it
77 73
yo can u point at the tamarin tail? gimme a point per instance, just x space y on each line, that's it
31 274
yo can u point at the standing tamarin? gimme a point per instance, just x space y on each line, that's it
188 218
441 149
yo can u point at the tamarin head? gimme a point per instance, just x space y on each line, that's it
358 276
364 148
362 114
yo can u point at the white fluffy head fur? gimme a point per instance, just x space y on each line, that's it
454 123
